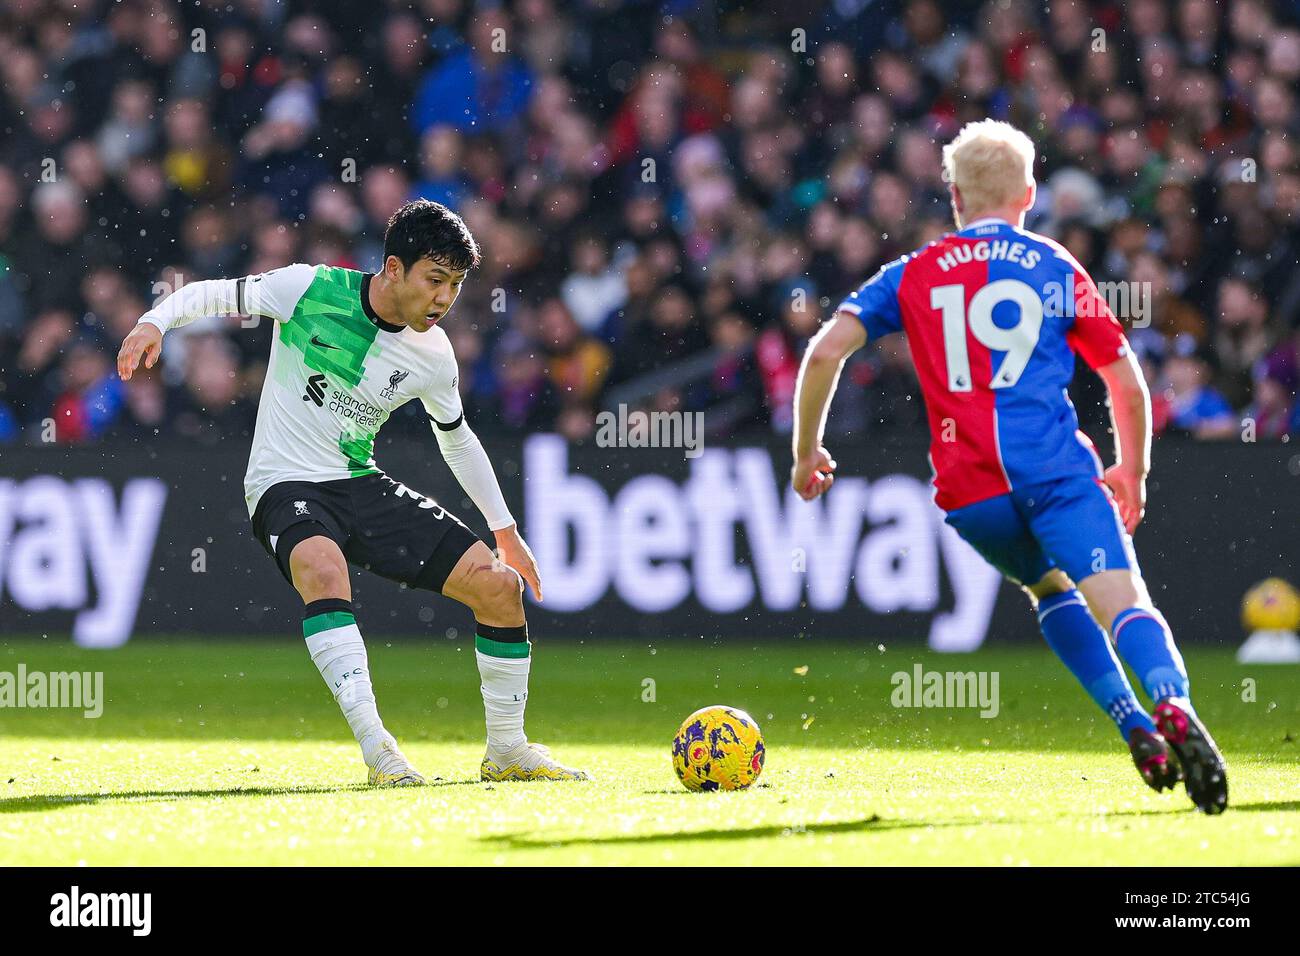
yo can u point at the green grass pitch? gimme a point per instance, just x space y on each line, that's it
234 753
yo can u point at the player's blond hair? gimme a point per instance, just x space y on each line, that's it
991 162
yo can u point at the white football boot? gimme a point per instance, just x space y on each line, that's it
528 761
390 768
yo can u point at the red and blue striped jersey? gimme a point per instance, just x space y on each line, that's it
994 316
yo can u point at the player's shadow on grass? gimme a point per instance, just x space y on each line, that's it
522 841
1265 806
1183 808
37 802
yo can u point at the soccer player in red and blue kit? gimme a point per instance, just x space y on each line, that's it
995 316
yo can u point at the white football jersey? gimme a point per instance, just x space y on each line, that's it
336 373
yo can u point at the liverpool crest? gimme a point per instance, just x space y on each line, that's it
394 380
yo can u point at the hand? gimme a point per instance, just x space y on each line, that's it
811 475
514 551
1130 491
143 341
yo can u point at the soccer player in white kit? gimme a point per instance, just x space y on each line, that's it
347 350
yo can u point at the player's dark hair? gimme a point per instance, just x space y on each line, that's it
422 229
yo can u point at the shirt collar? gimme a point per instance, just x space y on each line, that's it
986 221
370 313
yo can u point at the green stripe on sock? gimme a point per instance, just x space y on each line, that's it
326 622
491 648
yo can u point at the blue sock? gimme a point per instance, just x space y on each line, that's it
1145 642
1081 644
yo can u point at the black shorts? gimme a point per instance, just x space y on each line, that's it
379 524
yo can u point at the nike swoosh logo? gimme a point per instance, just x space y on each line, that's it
315 340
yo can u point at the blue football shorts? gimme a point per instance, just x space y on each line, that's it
1068 523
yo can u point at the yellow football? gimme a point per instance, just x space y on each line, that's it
718 748
1271 605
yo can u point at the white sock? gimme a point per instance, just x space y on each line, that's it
340 656
505 694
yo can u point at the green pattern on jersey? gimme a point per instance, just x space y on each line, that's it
330 312
358 450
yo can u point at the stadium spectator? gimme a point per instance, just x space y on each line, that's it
480 87
595 288
780 349
576 363
1274 412
1195 406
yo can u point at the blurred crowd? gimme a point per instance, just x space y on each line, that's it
670 196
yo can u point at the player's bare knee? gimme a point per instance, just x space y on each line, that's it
316 579
499 596
1054 581
319 570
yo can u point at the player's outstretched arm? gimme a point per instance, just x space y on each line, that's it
1130 414
274 294
190 302
818 376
